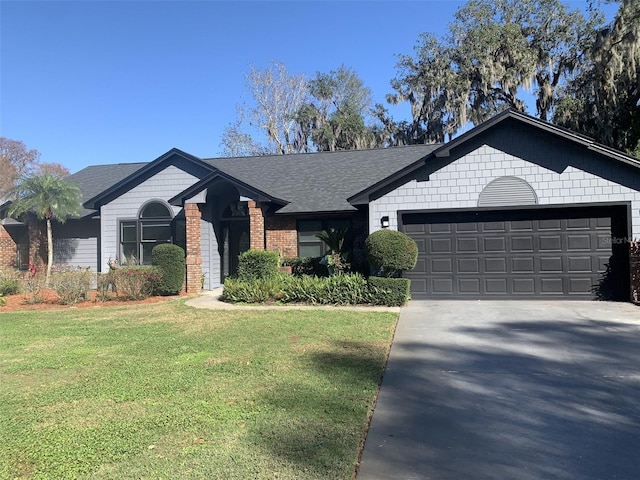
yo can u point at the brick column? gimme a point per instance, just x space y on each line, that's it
256 226
194 254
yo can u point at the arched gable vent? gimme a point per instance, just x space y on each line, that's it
507 191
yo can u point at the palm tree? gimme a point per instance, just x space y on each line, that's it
48 197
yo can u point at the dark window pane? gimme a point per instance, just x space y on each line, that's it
128 253
310 226
341 224
310 250
146 253
128 232
155 232
155 210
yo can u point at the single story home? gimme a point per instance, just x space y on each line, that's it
513 208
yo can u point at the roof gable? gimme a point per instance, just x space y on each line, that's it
137 173
541 134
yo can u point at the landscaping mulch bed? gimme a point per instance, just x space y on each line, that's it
50 300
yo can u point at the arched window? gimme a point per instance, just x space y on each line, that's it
151 228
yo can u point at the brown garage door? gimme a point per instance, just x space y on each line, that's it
516 253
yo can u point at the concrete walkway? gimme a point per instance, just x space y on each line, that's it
509 390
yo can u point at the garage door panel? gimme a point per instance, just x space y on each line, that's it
522 265
469 286
466 227
550 243
580 286
441 265
551 286
579 264
604 242
578 242
440 245
495 265
521 226
495 286
522 244
468 265
490 227
416 228
548 253
550 225
523 286
440 286
467 245
550 264
603 263
579 224
495 244
421 243
436 228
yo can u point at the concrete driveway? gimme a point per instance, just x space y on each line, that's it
509 390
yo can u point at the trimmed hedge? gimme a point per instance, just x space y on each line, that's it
391 252
390 291
348 289
169 259
257 264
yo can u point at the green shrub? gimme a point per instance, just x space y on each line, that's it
306 266
9 286
9 282
348 289
136 283
70 284
391 252
389 291
3 301
258 264
169 259
252 291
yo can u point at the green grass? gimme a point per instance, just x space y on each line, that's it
164 391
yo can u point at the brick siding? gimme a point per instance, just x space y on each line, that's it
194 254
281 235
7 249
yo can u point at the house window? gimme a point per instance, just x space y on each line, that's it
311 246
152 227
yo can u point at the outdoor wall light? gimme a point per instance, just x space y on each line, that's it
384 222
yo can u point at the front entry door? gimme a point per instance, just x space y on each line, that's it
236 241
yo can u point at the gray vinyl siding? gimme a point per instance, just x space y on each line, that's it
161 187
76 243
210 255
458 184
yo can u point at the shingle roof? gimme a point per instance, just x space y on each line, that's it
320 182
310 182
98 178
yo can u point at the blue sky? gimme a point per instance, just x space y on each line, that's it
92 82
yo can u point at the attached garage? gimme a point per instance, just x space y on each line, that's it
519 253
517 208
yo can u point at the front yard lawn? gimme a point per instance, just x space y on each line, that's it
166 391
